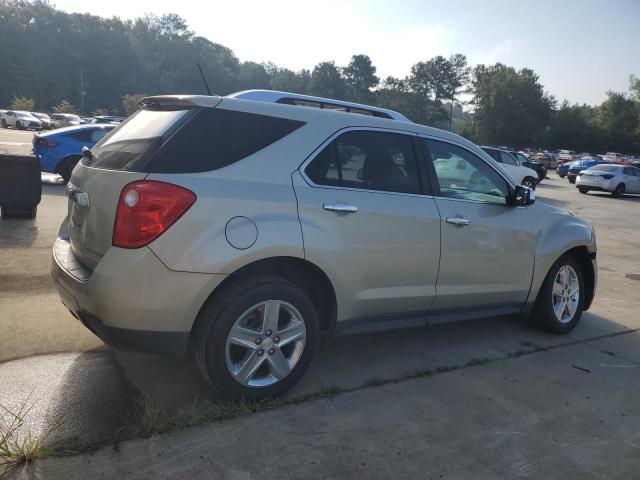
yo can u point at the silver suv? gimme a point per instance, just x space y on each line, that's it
240 228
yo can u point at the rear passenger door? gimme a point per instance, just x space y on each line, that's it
633 179
368 222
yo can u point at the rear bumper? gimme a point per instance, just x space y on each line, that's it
131 300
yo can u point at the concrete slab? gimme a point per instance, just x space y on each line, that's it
537 416
84 390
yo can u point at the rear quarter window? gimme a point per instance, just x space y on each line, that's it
214 138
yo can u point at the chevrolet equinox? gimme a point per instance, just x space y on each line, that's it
239 228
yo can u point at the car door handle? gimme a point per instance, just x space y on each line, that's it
340 208
458 221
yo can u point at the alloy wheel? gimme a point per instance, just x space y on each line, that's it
265 343
565 294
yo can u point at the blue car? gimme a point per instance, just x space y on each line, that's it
58 151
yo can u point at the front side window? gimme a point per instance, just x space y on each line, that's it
462 175
368 160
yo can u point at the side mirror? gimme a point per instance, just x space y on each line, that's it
522 196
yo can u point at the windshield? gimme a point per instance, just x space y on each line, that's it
24 115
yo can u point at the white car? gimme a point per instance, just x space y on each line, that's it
59 120
616 179
523 175
20 120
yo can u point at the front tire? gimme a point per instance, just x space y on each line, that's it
256 338
4 123
583 190
560 300
572 179
529 182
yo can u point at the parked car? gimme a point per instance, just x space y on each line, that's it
107 119
525 161
563 169
547 159
20 120
61 120
59 151
616 179
576 167
194 239
45 120
525 176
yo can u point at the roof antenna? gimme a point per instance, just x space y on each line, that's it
204 80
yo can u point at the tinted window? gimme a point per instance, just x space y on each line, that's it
495 154
508 158
368 160
604 168
460 174
628 171
214 138
131 144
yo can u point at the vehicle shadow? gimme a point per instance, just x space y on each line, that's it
625 198
354 362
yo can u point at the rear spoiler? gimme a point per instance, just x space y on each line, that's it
178 102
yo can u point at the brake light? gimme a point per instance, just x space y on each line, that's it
146 209
43 142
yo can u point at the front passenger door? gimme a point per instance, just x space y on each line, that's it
487 254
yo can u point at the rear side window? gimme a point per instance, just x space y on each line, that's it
214 138
368 160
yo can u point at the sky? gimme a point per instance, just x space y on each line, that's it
579 48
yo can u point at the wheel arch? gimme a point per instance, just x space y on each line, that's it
67 159
301 272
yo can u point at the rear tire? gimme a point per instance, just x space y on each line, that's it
583 190
619 191
572 180
560 301
66 167
242 307
4 123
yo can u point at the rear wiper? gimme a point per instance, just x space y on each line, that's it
87 153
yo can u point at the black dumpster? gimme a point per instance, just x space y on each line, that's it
20 185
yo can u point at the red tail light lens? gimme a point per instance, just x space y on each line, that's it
46 143
146 209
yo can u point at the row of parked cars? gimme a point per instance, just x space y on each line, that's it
598 173
23 120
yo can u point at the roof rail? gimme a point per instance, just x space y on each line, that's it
288 98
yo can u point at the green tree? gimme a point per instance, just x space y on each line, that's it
130 103
456 81
619 119
326 81
64 107
287 80
253 75
360 77
511 107
22 103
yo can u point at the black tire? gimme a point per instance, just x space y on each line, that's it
4 212
543 315
619 190
561 176
4 123
66 167
219 315
583 189
572 179
529 182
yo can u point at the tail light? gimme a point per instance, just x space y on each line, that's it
43 142
608 177
146 209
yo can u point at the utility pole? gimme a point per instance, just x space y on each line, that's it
81 91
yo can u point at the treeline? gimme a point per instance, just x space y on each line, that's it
50 60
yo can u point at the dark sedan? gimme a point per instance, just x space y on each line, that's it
540 169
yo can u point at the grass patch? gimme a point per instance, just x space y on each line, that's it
21 448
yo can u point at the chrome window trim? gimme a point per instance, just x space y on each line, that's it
323 145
